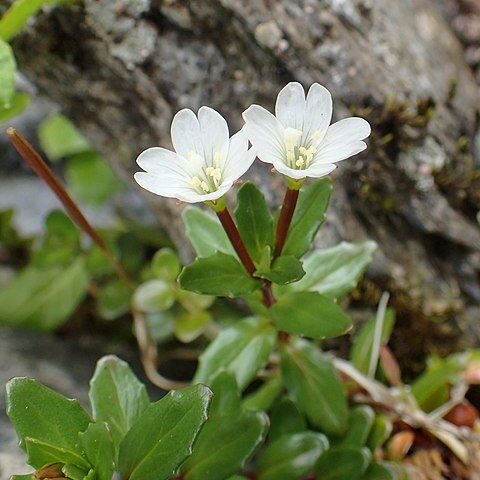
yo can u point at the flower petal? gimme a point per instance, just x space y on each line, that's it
168 187
347 130
318 113
290 106
336 152
186 133
239 158
265 133
214 131
161 161
320 170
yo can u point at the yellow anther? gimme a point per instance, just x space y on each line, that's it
300 162
204 187
316 135
195 181
216 159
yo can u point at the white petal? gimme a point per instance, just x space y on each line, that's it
347 130
186 133
290 106
290 172
214 130
161 161
239 158
320 170
335 152
265 133
318 113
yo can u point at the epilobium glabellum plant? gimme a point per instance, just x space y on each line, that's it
273 385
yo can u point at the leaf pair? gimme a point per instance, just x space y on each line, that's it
127 434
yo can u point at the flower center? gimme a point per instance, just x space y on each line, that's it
208 178
299 157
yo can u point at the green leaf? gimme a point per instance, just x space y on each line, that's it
74 472
291 456
254 220
97 445
163 437
40 413
308 217
380 432
153 296
343 463
91 179
160 325
242 350
360 423
206 233
432 387
285 420
263 398
18 14
334 271
8 67
228 438
166 264
59 138
18 103
113 299
361 350
285 269
314 383
377 471
219 274
117 397
190 326
310 314
42 453
43 298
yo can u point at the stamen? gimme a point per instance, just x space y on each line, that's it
204 187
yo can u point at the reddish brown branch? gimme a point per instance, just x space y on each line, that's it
288 208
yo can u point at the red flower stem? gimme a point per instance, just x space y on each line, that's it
235 239
286 214
237 243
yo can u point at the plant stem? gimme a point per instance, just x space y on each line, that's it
237 242
286 214
33 158
242 252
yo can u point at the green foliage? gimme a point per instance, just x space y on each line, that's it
18 14
218 274
152 439
117 397
18 103
91 179
315 386
334 271
308 217
343 463
59 138
7 74
162 438
310 314
229 437
241 350
291 456
285 269
205 233
42 298
254 220
361 350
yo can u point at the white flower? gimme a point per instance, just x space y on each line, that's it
298 141
205 163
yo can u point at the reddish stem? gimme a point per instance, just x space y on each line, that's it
288 208
237 242
33 158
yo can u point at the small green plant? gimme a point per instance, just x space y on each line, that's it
282 407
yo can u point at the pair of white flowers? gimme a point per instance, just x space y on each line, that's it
299 141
